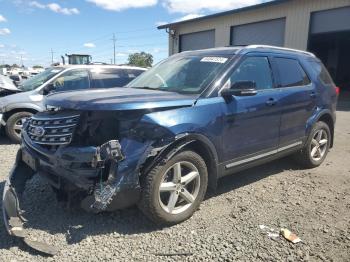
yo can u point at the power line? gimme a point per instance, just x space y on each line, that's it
114 41
52 56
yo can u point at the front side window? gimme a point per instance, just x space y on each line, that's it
291 73
112 77
39 79
72 80
182 74
255 69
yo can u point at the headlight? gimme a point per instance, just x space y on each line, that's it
52 108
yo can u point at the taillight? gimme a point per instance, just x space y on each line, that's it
337 90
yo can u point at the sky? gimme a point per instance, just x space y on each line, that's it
31 30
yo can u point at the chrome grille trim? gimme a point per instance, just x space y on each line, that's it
57 130
66 126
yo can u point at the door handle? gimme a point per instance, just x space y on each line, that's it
313 94
271 102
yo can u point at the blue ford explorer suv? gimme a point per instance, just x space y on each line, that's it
177 128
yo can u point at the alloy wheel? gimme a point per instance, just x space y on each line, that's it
319 145
19 125
179 187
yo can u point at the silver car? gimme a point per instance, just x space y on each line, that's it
16 108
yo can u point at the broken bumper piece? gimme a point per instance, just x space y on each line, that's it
12 214
121 188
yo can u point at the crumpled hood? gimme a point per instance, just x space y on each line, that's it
10 88
7 84
118 99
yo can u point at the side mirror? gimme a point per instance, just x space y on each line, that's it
240 88
48 89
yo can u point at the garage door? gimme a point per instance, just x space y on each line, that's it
330 20
198 40
264 33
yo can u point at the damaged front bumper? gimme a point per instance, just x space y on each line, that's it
12 213
70 170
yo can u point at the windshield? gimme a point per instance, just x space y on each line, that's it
39 79
181 74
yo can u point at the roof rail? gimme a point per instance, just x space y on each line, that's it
281 48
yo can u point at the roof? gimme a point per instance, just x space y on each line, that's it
277 49
234 11
101 66
232 50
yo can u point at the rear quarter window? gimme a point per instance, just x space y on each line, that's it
290 73
322 73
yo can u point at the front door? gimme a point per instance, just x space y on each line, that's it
251 123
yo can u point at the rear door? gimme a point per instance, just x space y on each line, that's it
297 101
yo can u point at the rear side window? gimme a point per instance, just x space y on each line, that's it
110 77
133 73
291 73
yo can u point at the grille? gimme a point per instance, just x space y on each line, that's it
52 130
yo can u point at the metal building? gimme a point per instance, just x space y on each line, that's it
319 26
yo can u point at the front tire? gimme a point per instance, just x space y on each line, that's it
173 191
14 125
317 146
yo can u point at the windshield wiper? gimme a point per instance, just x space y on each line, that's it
156 89
144 87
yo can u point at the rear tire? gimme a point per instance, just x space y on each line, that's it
317 146
173 191
14 126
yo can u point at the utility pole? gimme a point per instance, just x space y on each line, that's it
114 41
52 56
22 60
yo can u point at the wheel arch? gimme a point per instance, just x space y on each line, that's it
8 114
198 143
327 118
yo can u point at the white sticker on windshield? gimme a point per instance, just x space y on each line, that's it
55 70
213 59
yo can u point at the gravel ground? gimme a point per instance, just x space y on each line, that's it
315 204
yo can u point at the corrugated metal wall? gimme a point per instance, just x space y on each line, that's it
197 40
269 32
297 15
330 20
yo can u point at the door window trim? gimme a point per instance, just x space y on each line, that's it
276 72
238 64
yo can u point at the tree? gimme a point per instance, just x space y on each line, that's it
37 67
141 59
